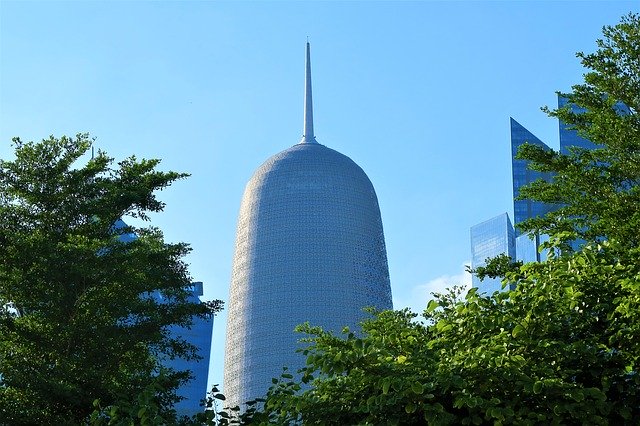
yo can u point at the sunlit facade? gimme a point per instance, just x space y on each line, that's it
309 248
523 175
489 239
526 248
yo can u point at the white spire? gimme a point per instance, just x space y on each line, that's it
307 135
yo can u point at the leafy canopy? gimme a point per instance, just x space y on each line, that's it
82 317
597 190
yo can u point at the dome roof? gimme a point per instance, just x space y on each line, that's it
312 167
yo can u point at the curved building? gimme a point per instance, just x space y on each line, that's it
309 247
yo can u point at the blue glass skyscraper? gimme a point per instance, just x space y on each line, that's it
526 247
568 137
498 236
489 239
523 175
199 335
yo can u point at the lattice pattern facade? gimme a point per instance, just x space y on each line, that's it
309 247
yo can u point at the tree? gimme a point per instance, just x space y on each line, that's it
597 190
85 322
559 349
563 347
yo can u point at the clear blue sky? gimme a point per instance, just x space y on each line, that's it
419 94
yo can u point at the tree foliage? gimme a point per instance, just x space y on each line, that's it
562 348
597 190
559 349
81 320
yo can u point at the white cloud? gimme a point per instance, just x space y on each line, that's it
418 296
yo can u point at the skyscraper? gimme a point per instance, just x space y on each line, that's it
526 247
309 247
523 175
568 137
498 236
489 239
199 335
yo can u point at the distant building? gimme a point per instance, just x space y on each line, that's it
199 335
528 248
568 137
489 239
523 175
309 247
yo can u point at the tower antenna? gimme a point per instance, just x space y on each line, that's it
307 135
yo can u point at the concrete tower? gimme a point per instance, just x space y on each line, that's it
309 247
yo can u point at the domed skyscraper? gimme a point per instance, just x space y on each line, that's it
309 247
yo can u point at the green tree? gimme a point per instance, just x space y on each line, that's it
563 347
559 349
597 190
80 322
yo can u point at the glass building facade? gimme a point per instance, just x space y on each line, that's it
526 247
199 334
489 239
522 175
496 236
568 137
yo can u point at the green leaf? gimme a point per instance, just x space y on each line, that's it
537 387
517 331
386 384
431 306
410 408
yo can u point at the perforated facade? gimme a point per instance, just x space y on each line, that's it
309 247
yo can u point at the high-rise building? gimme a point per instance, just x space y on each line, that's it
526 247
489 239
569 137
309 247
523 175
199 335
498 236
